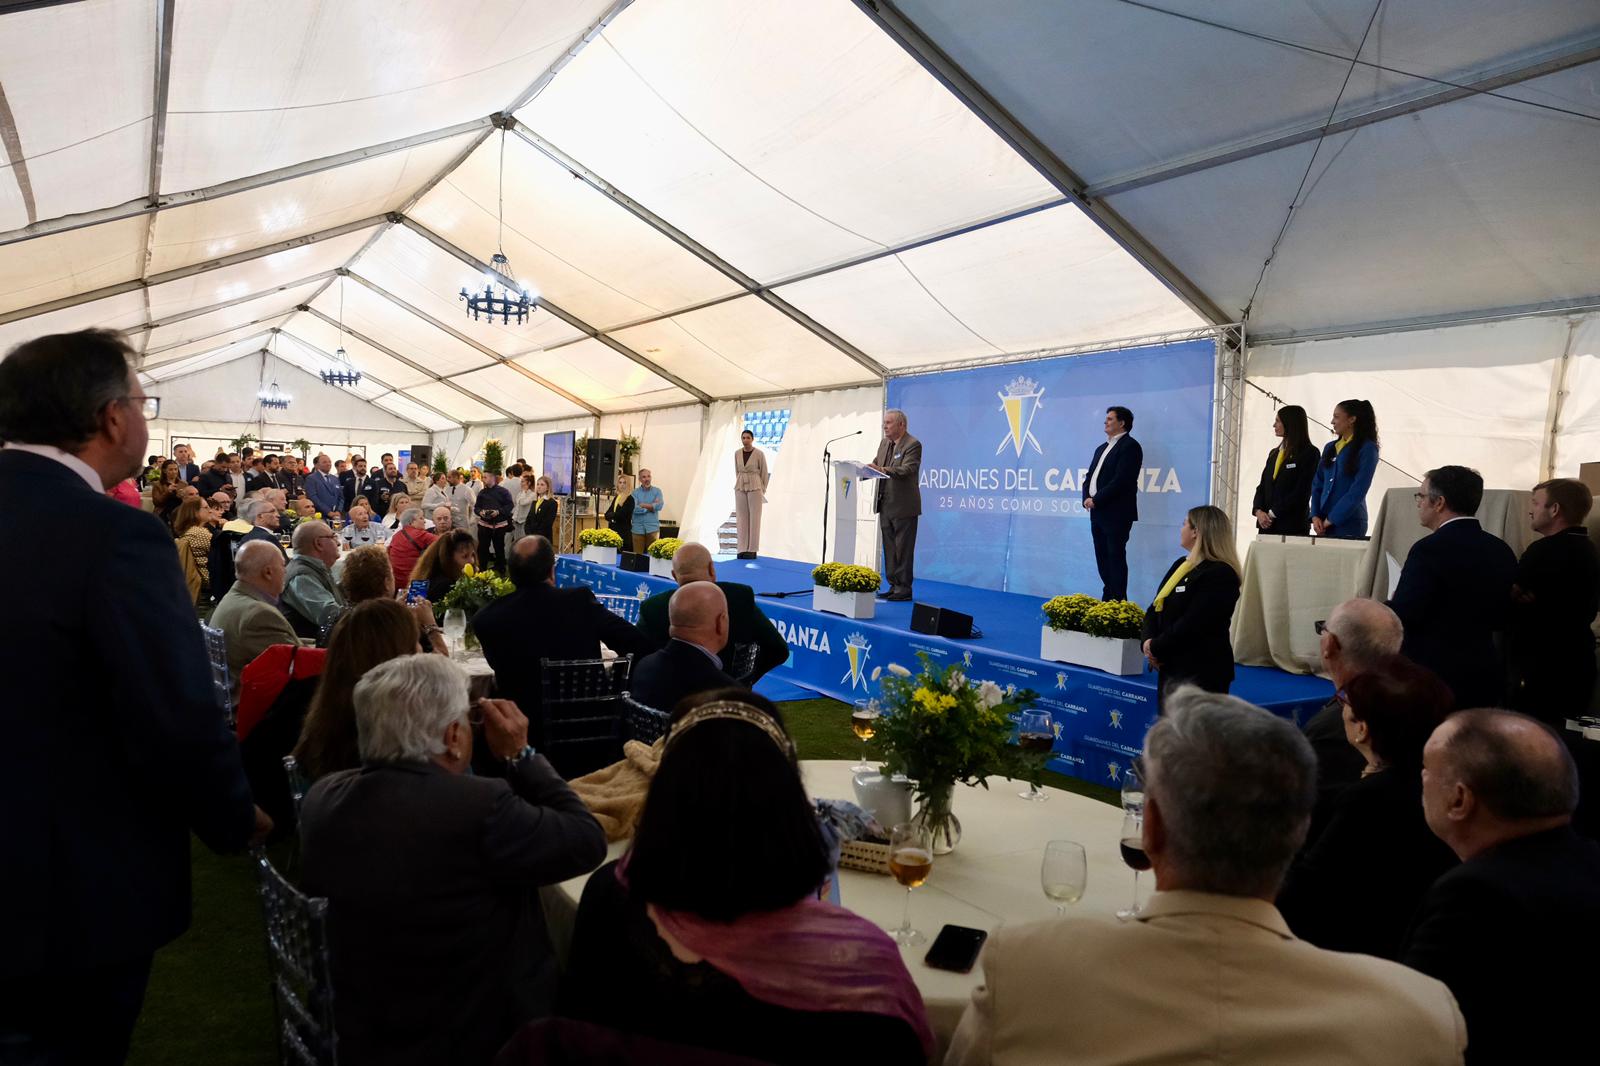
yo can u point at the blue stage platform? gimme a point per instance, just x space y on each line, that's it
1100 718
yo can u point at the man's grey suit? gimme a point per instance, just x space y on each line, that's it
898 504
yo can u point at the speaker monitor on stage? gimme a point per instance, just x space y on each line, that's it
600 465
940 621
637 562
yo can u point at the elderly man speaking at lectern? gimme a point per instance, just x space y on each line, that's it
898 502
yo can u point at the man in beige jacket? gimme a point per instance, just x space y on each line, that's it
750 480
1208 972
248 615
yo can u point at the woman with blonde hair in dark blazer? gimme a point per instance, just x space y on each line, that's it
1186 627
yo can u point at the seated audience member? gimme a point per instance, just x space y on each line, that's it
746 623
127 491
1358 635
1355 886
1511 927
442 562
1208 970
192 526
540 621
1455 590
258 520
166 493
399 503
372 632
365 574
222 506
688 663
1554 602
361 531
310 595
710 933
248 613
1186 628
438 943
407 544
443 520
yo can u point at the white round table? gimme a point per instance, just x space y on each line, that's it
990 880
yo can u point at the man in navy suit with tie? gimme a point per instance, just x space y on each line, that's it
1111 496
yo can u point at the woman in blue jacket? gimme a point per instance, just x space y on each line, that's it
1339 495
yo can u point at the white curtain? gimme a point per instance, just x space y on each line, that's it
709 497
1578 422
792 523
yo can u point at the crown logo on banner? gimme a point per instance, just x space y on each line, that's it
856 646
1020 403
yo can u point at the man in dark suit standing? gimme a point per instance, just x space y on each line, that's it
256 477
698 615
746 624
1111 496
898 502
1554 602
351 479
188 469
1455 590
117 748
1509 928
540 621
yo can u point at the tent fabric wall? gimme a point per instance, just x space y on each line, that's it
1477 396
670 443
793 529
1577 421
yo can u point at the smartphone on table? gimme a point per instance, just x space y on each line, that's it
956 948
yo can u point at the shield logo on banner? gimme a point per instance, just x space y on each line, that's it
1020 402
1116 719
643 591
856 646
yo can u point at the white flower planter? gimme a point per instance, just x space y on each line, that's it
660 567
1114 655
849 604
593 553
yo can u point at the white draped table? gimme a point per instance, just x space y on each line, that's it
990 880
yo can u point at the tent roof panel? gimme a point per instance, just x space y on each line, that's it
324 340
1050 279
156 358
85 140
269 308
226 353
255 275
595 372
428 279
60 265
210 229
378 319
260 86
457 406
114 312
742 347
856 147
524 398
566 240
397 403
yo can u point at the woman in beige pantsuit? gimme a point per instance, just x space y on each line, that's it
750 479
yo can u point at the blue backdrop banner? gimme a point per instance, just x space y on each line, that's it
1006 449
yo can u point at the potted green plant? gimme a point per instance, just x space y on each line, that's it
628 446
600 546
242 441
302 446
1084 631
440 464
847 590
661 552
494 456
473 591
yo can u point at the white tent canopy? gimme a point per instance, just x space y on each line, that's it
728 200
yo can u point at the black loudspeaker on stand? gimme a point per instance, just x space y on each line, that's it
940 621
600 465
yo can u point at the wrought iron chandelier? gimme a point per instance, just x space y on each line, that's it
343 372
508 304
274 397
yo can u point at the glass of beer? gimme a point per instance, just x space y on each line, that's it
1036 733
864 723
1132 839
1064 874
910 860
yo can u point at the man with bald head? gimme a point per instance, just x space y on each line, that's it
1510 928
698 620
248 615
747 626
1357 636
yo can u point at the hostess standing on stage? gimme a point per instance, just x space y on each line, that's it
1339 493
750 480
898 502
1283 498
1186 628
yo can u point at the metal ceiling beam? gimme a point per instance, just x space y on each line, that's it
1575 55
572 320
180 273
204 352
469 342
308 346
526 96
921 48
143 206
750 285
225 304
413 364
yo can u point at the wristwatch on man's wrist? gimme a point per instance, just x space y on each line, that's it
520 757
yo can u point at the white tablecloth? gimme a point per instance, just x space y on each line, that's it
991 879
1290 584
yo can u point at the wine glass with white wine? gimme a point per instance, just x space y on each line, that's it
864 723
1064 874
455 632
910 861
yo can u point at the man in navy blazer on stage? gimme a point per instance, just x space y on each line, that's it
116 747
1111 496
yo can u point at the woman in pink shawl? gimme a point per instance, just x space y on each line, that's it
709 931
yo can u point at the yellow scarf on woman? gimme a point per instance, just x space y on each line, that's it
1172 582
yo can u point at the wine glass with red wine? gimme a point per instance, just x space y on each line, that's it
1035 734
1132 839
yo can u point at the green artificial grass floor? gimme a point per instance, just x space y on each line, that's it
208 1000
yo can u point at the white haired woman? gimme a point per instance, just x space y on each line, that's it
439 949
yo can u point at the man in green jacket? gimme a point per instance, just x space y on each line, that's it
746 623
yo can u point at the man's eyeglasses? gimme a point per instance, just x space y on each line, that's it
1322 627
1420 496
149 406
